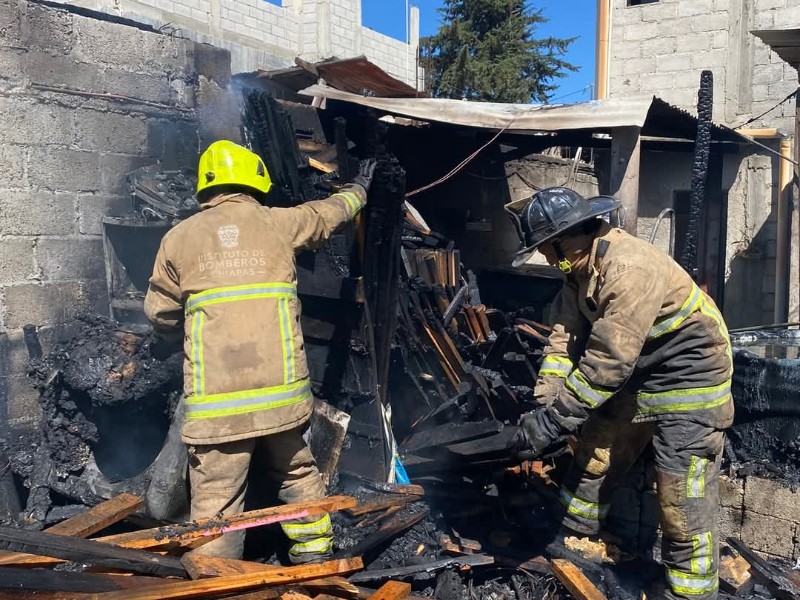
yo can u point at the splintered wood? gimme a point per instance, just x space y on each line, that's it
575 581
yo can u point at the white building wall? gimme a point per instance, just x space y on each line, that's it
261 35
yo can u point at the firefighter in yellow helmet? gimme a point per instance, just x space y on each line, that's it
225 282
639 354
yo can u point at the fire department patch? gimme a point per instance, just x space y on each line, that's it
228 236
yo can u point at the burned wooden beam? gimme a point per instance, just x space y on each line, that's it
90 552
770 575
473 560
391 528
207 528
40 580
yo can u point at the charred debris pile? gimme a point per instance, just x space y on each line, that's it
416 377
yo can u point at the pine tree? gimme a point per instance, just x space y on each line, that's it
485 50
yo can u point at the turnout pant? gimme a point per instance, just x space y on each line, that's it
687 457
218 480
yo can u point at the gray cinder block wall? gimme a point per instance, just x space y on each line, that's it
64 154
660 48
261 35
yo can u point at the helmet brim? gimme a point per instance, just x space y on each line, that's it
598 205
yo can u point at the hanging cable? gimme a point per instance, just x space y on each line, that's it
460 165
754 119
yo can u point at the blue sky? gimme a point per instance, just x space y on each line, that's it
569 18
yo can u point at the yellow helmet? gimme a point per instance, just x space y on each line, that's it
226 163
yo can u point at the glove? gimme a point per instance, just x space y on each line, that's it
366 169
538 431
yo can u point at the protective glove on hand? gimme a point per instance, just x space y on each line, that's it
538 431
366 170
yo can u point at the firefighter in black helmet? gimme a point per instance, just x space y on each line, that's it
638 355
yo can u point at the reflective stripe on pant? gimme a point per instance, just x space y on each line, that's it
218 479
688 457
608 445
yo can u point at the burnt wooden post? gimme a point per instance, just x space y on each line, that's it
702 148
624 184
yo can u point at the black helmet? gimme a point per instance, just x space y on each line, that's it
550 212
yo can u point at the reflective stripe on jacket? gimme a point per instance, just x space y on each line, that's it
633 318
226 279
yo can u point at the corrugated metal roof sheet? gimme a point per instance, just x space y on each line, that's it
784 42
655 116
356 75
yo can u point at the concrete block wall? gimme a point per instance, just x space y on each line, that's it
261 35
661 48
763 513
65 152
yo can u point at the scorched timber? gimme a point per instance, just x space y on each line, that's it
58 581
81 526
181 534
88 551
473 560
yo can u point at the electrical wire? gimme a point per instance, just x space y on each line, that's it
460 165
583 89
754 119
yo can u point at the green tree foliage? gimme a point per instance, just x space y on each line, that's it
485 50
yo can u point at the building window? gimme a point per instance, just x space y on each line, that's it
640 2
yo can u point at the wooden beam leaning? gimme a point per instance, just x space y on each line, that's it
392 590
208 588
81 526
572 578
89 551
201 567
160 537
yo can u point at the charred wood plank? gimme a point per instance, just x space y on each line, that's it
406 489
498 349
391 528
392 590
206 528
770 575
81 526
572 578
61 581
473 560
449 433
89 551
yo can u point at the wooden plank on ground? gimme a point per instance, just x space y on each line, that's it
62 581
200 567
90 552
392 590
338 586
572 578
399 500
208 588
734 575
174 535
93 520
265 594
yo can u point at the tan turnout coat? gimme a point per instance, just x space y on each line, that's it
631 318
226 278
